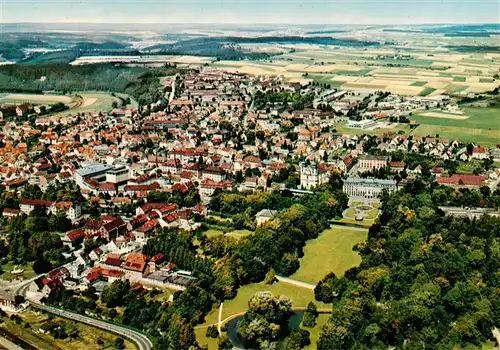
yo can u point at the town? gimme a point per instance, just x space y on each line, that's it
108 184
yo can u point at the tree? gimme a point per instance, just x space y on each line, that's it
310 316
298 339
212 332
270 277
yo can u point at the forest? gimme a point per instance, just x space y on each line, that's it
141 83
425 281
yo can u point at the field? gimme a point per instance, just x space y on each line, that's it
87 338
88 102
478 125
422 74
37 99
331 251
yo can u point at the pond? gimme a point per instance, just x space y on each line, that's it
232 329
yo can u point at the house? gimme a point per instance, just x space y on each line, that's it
134 266
24 109
480 153
10 213
108 227
208 187
264 216
460 181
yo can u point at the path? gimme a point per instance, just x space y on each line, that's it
172 93
351 227
296 283
220 317
496 334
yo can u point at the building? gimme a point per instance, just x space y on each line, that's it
362 124
369 163
95 171
370 188
313 175
12 303
264 216
471 213
119 174
462 181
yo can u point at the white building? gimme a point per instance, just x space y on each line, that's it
356 187
313 175
362 124
94 171
118 175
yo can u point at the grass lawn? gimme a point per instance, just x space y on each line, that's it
202 339
86 340
26 274
235 234
316 331
300 298
461 79
331 251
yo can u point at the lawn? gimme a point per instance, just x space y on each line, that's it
461 79
331 251
7 268
316 331
86 340
93 101
300 298
238 234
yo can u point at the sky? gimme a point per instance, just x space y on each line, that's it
252 11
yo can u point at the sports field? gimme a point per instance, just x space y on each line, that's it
331 251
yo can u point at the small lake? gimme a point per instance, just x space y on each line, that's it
232 328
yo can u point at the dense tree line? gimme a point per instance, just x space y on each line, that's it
425 281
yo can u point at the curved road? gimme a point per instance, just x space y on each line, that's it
142 341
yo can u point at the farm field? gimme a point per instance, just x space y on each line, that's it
479 125
353 68
88 102
87 338
330 252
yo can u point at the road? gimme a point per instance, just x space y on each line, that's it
172 93
140 339
296 283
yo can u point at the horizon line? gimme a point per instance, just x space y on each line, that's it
263 23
